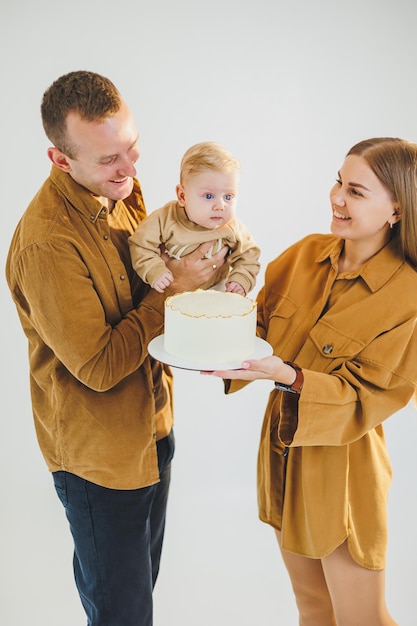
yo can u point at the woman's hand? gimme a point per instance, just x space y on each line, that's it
268 368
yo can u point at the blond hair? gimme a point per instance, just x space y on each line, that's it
394 162
207 155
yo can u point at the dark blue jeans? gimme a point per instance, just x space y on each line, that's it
118 539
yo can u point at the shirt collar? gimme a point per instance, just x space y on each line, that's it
375 272
79 197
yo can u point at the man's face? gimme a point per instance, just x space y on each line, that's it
106 153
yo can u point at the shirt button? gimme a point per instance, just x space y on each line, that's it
328 348
105 237
122 277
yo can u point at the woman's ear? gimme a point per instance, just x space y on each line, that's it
180 195
59 159
396 216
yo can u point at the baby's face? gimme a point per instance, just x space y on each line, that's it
210 197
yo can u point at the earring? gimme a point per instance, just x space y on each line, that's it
391 224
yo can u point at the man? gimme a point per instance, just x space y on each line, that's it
102 407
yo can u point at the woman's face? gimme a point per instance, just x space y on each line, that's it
362 207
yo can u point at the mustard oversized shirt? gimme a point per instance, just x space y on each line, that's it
355 337
99 401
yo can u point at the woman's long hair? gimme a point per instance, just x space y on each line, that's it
394 162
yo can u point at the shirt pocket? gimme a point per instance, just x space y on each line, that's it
282 321
327 348
283 311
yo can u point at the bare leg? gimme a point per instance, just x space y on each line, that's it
310 589
358 594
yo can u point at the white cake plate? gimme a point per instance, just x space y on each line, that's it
156 349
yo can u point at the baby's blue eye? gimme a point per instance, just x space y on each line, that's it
228 196
208 196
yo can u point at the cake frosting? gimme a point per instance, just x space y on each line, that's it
210 327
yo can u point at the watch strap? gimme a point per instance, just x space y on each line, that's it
297 385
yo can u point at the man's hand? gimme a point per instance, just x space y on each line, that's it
193 270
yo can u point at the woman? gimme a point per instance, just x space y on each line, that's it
340 311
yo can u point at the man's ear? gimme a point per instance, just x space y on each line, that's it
180 195
59 159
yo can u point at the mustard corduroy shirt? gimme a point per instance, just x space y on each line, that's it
99 401
355 337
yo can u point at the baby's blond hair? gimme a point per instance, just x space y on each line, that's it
207 155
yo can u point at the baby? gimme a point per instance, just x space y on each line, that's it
204 211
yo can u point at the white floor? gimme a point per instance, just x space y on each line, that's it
220 564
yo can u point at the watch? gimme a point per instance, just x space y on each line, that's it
297 384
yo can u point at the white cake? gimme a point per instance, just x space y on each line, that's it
210 327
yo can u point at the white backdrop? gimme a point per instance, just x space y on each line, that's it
288 88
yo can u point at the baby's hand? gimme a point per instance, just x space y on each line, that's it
161 283
233 287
